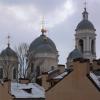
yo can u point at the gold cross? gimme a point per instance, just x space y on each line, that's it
43 30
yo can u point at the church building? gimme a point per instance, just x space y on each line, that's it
85 40
42 55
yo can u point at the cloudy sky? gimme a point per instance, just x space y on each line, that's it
21 19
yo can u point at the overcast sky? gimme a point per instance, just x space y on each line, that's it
22 20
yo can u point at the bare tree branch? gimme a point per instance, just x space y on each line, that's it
22 52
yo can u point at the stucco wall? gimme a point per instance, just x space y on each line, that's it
75 86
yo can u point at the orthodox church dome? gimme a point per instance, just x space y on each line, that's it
8 52
75 54
85 23
43 44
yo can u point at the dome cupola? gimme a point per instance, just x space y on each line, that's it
75 54
8 52
42 44
85 23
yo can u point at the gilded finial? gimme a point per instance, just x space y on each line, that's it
43 29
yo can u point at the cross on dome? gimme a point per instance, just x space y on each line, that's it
43 29
8 38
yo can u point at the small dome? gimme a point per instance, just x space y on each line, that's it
8 52
75 54
42 44
85 24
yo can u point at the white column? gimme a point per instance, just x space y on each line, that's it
88 45
85 44
90 41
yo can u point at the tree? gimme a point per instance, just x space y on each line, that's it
22 53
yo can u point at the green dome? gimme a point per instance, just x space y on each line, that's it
75 54
85 24
8 52
43 44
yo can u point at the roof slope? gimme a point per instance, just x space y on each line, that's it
75 86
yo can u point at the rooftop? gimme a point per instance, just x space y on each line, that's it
30 90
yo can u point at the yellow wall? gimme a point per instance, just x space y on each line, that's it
75 86
4 94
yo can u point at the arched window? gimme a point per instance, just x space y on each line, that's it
14 73
81 45
92 46
1 73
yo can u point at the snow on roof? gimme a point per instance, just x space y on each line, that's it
18 90
61 75
49 72
95 78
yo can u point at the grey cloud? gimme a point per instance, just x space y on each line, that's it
42 5
62 34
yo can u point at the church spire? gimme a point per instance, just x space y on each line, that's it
85 13
43 29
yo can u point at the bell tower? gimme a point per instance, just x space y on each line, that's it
85 37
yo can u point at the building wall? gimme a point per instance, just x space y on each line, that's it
75 86
5 91
44 61
61 68
96 64
8 66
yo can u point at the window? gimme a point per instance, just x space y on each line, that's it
14 73
92 46
81 45
1 73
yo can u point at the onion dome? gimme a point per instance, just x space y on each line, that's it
75 54
42 44
85 23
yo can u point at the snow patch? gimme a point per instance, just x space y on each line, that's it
18 90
